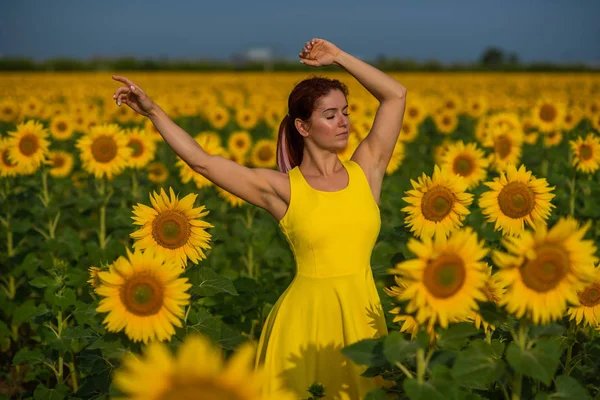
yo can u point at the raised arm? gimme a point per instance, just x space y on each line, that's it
259 186
375 151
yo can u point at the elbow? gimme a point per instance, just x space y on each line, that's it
200 165
401 93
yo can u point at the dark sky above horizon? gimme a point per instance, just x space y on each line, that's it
450 31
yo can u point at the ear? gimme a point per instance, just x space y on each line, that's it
299 124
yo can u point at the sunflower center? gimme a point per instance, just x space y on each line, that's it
446 121
547 113
240 143
413 112
437 203
138 148
58 161
476 106
502 146
104 149
444 276
142 295
516 200
171 229
28 144
265 154
590 297
585 152
61 126
450 105
199 388
7 111
5 159
463 165
547 270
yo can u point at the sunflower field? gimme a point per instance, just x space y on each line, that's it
126 274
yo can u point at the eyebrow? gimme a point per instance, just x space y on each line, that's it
334 109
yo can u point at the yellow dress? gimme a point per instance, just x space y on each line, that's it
332 301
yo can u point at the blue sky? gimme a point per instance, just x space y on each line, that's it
449 31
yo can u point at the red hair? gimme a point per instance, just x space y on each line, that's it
301 103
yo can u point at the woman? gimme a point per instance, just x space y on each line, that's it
326 208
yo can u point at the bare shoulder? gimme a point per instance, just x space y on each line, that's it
279 197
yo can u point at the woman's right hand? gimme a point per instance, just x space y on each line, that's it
134 97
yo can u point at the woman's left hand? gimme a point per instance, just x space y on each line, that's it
318 53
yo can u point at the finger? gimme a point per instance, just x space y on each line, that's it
120 90
126 81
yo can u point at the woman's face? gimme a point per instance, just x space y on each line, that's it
329 122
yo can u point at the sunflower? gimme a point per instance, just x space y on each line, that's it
446 122
573 117
446 279
239 142
274 115
218 117
153 133
7 167
437 205
9 110
396 158
409 323
543 270
246 118
409 131
593 107
516 198
157 172
452 103
481 129
172 227
158 375
94 280
476 106
264 153
230 198
104 151
440 150
80 179
596 122
356 107
62 163
61 127
587 308
552 139
416 111
144 295
586 153
32 107
507 145
467 161
28 147
346 153
549 115
143 149
493 290
80 123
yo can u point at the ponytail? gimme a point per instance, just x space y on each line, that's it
290 145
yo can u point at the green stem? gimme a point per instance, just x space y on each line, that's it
404 369
421 365
518 378
45 195
573 193
134 185
250 259
74 381
102 232
9 237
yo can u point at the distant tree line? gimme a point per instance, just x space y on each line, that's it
492 59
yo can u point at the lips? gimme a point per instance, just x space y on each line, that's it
343 133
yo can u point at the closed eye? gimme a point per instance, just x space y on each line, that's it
332 117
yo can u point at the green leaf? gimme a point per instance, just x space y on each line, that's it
44 393
455 336
24 312
492 314
366 352
396 348
376 394
540 363
28 356
42 282
546 330
65 299
208 283
476 367
568 388
423 391
498 348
